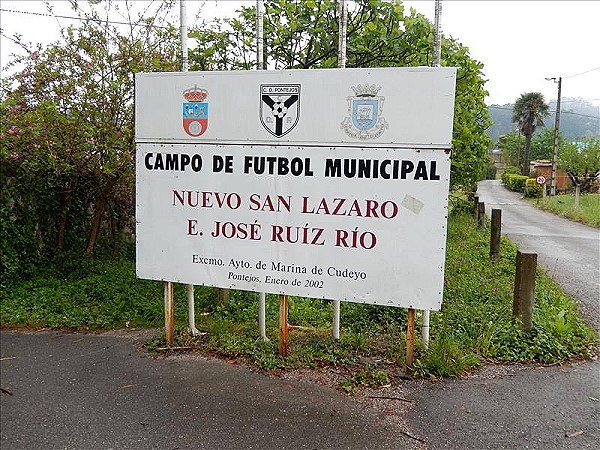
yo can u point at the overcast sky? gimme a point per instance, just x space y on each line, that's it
519 42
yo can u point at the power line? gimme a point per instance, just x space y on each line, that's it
82 19
562 112
581 73
577 100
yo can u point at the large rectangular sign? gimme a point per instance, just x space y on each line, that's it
319 183
356 224
370 107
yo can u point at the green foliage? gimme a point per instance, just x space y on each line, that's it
367 377
298 35
532 189
459 204
542 144
509 170
68 141
101 295
489 172
563 205
445 357
514 182
581 161
511 145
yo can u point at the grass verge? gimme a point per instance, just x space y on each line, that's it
475 323
563 205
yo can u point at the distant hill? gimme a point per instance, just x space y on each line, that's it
578 118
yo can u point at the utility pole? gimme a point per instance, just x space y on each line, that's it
556 128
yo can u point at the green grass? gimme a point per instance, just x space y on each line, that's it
475 324
563 205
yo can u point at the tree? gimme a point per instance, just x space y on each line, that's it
511 145
298 35
67 130
529 112
542 144
581 161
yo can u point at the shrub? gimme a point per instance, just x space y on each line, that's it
509 170
489 173
532 189
515 182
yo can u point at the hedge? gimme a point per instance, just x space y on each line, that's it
515 182
533 189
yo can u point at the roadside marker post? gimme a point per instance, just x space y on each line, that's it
476 207
495 234
481 215
524 293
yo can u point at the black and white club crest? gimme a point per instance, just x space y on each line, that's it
279 107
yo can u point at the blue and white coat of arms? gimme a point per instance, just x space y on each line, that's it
364 109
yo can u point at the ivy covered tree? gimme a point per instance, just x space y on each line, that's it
302 35
68 138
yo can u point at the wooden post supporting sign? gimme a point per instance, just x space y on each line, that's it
169 312
410 340
283 325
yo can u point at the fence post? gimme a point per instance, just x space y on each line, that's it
495 234
481 215
525 289
476 207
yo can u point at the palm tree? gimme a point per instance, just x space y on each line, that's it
529 112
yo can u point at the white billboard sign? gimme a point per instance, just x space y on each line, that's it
361 220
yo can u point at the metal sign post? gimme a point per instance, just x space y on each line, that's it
437 54
343 22
262 303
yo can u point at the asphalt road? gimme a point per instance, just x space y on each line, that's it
568 251
86 391
543 408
